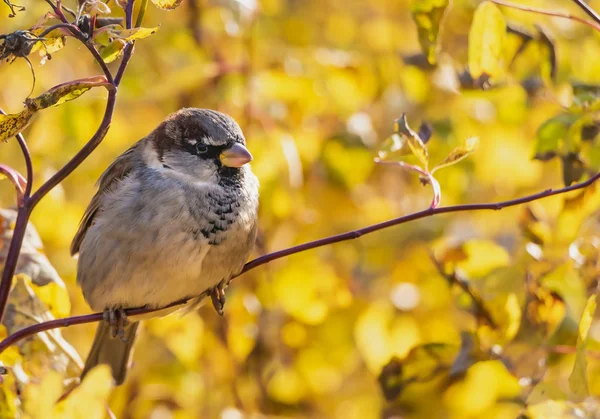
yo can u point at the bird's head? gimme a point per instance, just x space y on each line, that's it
203 144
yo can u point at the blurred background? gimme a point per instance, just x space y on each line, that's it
316 86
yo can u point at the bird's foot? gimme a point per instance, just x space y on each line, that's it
217 295
117 321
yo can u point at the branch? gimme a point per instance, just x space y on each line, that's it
591 13
426 177
29 203
90 318
453 278
589 23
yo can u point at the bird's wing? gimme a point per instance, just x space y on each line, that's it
116 172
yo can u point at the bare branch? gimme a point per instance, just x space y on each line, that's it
591 12
90 318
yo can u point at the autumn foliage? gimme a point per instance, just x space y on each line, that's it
357 112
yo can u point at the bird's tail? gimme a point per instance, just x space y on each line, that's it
111 351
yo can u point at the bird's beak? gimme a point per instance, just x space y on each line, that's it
235 156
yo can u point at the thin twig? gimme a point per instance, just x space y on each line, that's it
454 278
130 46
141 13
586 8
549 13
87 149
426 177
90 318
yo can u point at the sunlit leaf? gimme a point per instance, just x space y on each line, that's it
55 297
167 4
576 209
483 256
578 381
423 363
428 15
9 401
92 393
471 398
113 51
459 153
415 143
135 33
551 135
41 397
486 41
65 92
12 124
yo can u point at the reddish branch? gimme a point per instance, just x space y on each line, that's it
90 318
28 201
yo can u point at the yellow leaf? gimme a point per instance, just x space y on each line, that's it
483 256
486 41
167 4
428 15
39 398
459 153
12 124
484 384
415 143
11 355
92 393
578 382
112 51
55 297
8 397
65 92
134 34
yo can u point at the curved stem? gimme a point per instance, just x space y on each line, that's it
80 156
85 41
590 12
549 13
90 318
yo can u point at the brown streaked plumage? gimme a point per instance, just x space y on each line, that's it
174 217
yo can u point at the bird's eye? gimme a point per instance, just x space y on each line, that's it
201 148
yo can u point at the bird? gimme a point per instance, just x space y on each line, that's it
174 218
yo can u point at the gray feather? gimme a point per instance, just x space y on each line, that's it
113 352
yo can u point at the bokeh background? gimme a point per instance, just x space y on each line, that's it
316 86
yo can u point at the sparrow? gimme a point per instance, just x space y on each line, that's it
174 218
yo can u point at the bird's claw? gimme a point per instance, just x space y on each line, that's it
117 321
217 295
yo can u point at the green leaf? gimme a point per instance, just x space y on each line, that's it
578 380
428 15
167 4
112 51
486 41
459 153
551 135
65 92
415 143
12 124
